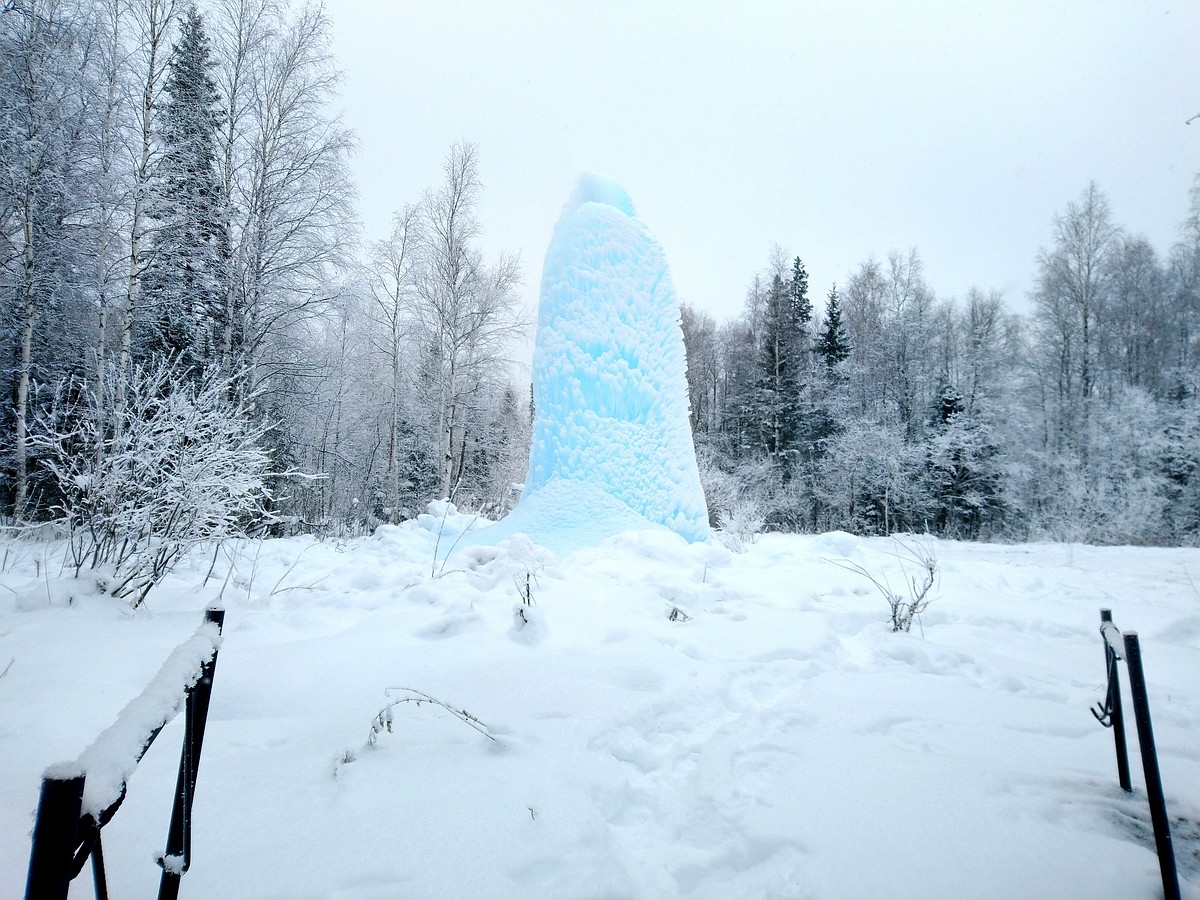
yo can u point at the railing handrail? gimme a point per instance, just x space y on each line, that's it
79 798
116 751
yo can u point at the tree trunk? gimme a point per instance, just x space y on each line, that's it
106 234
449 412
24 364
393 448
158 20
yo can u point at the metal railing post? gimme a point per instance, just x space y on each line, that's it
55 837
1154 788
178 856
1116 716
99 879
64 838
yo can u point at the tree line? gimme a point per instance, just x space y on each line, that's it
890 409
182 279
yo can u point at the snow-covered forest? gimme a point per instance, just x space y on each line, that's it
182 271
882 407
193 321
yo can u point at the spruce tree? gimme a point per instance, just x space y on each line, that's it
781 363
185 266
801 310
770 378
963 466
833 346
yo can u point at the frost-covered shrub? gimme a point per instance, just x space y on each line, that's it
180 465
1121 495
720 487
741 523
735 500
919 567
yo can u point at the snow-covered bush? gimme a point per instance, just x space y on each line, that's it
181 464
1122 494
736 502
741 523
720 487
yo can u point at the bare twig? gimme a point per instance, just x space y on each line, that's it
438 543
383 721
1188 575
434 571
904 610
295 563
225 583
531 578
216 552
254 568
300 587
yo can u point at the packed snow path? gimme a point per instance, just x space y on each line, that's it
780 742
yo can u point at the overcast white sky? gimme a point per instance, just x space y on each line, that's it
835 129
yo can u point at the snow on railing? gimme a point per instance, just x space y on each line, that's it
79 798
112 758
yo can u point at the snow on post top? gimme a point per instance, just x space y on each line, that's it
609 384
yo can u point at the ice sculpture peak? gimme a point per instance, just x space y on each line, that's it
594 188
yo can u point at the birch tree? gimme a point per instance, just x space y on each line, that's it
703 368
1072 277
469 311
110 181
242 32
294 196
393 286
44 104
152 22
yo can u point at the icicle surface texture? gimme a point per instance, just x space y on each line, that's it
610 378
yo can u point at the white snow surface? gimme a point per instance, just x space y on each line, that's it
609 379
776 741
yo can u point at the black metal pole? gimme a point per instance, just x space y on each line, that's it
1116 715
178 855
1154 789
99 879
55 836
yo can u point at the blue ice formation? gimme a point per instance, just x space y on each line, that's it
612 441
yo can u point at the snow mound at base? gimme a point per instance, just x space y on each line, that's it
564 516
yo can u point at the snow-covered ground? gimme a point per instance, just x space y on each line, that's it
777 740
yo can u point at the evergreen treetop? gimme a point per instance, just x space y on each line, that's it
833 345
186 266
798 292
